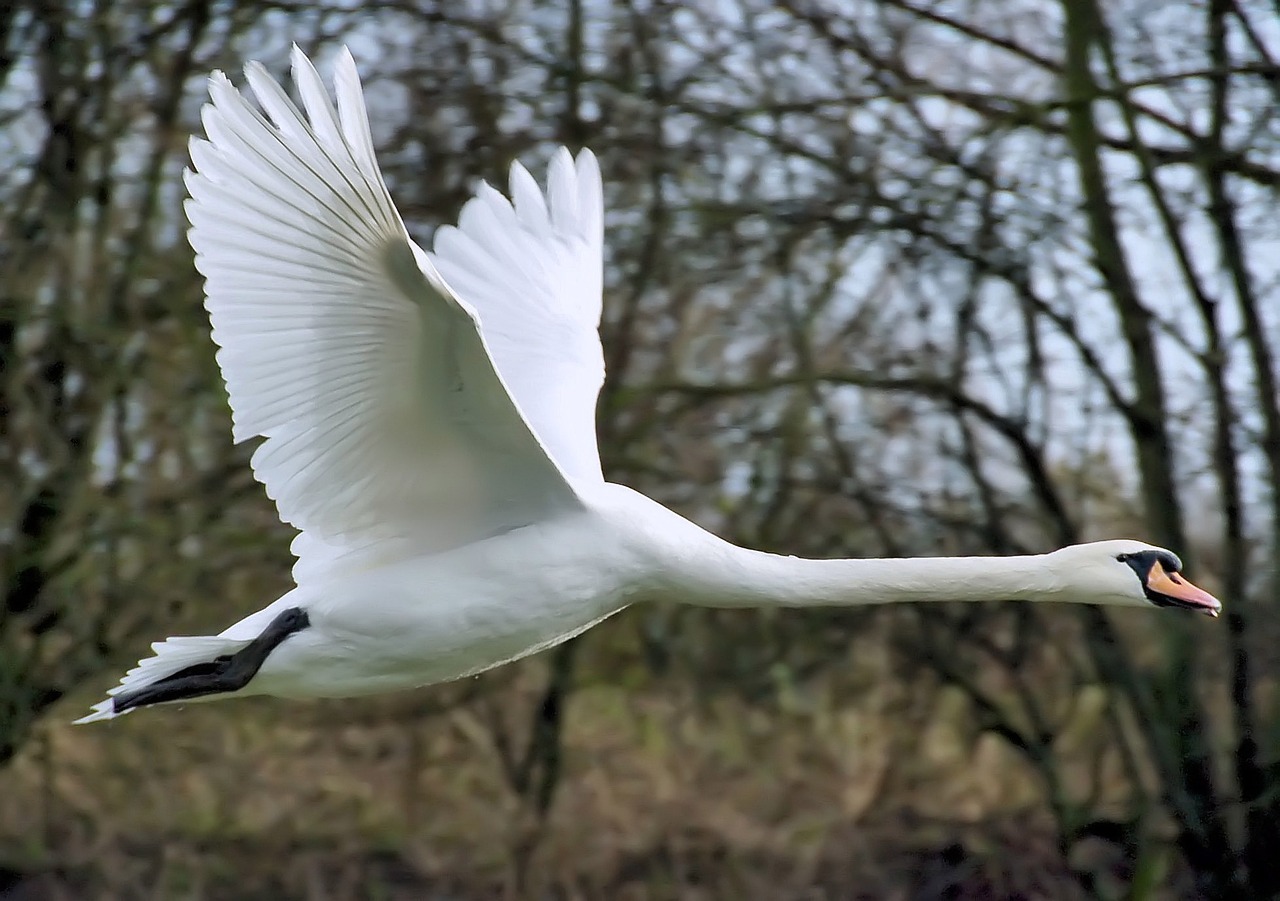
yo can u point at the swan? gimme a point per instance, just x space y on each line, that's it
429 429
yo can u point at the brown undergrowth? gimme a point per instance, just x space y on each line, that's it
665 794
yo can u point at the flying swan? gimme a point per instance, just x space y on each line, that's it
429 428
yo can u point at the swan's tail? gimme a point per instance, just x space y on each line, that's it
173 657
184 669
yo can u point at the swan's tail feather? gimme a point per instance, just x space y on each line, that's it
172 656
184 669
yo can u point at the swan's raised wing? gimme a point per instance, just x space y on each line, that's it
532 270
388 430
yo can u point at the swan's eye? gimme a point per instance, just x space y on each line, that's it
1122 557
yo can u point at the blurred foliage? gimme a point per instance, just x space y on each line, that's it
895 277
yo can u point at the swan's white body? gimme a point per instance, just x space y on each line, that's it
429 424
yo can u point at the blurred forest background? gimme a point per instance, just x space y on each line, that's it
882 278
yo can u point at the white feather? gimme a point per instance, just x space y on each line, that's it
171 655
370 380
533 273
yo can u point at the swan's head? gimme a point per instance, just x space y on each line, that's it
1131 573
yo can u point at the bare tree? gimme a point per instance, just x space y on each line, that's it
117 474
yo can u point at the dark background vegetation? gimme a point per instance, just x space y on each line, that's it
898 277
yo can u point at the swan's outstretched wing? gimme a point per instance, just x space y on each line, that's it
532 270
388 430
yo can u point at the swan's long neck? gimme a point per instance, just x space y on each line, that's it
687 563
723 575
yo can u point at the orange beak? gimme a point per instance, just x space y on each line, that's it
1181 593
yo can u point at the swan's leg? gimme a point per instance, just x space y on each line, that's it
230 672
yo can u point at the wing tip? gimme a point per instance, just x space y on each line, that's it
345 61
253 69
587 164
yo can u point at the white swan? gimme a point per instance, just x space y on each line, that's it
429 426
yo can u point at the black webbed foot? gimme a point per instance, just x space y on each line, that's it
225 673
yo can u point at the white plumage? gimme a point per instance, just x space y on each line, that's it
429 428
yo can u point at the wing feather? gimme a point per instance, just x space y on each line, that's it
388 429
531 268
